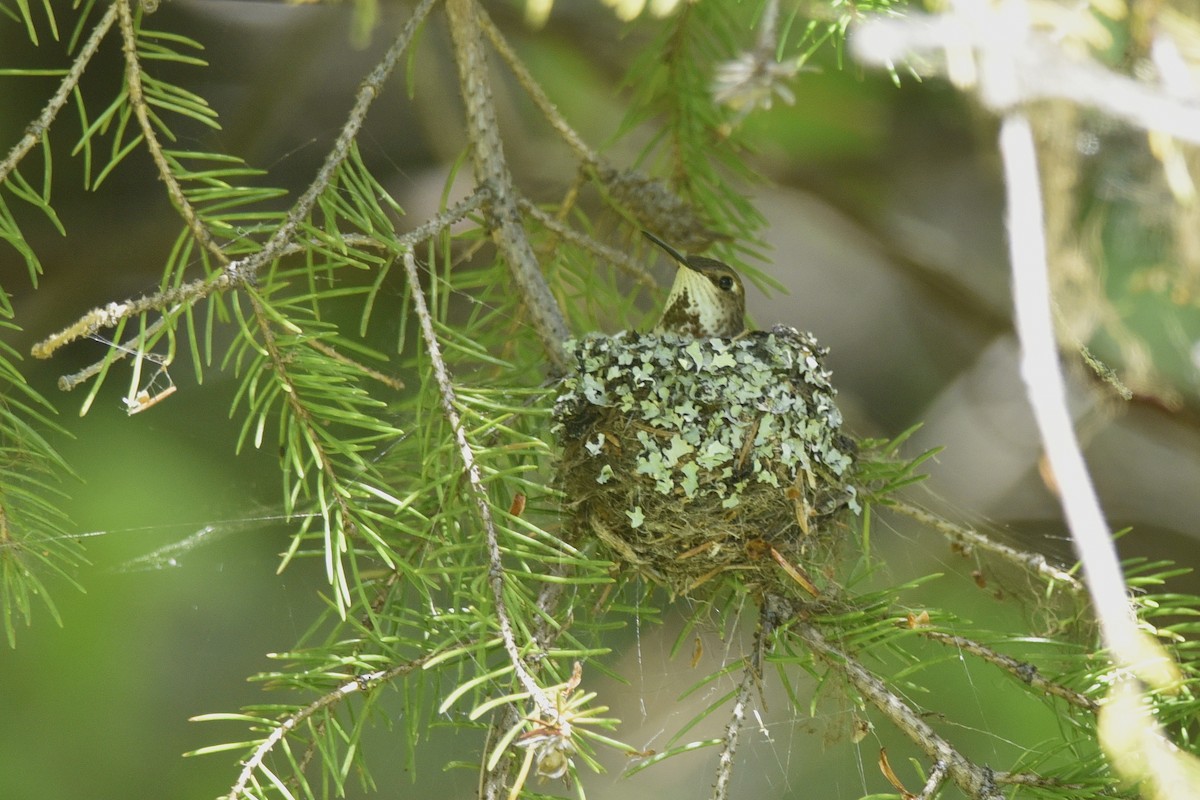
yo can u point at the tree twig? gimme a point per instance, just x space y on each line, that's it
751 676
137 101
244 271
361 684
977 782
1022 670
37 129
491 170
478 490
367 92
1034 562
583 152
937 776
610 254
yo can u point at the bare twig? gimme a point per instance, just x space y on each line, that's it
361 684
1020 669
751 676
583 152
729 741
1034 562
37 129
976 781
69 382
368 91
478 490
610 254
137 101
108 316
493 783
937 776
491 170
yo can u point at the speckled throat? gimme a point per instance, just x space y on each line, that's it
698 307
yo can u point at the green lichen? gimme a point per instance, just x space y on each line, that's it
672 443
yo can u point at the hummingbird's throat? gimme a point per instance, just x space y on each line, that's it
695 307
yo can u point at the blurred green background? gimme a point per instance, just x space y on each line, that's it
885 212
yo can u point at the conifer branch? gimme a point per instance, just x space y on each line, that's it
386 380
324 460
244 271
360 685
137 101
967 538
368 91
282 356
1023 670
491 171
975 781
190 293
478 490
38 128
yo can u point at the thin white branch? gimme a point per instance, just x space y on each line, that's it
362 683
478 490
1042 373
1013 64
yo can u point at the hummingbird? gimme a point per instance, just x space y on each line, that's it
706 300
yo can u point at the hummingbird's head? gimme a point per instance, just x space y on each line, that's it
706 300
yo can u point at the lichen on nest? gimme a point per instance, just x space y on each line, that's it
691 458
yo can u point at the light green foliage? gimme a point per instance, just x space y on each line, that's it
34 540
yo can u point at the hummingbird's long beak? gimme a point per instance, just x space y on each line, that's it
671 251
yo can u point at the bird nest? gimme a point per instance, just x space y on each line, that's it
692 458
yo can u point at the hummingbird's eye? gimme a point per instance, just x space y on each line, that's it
725 282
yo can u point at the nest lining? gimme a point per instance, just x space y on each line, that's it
694 457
